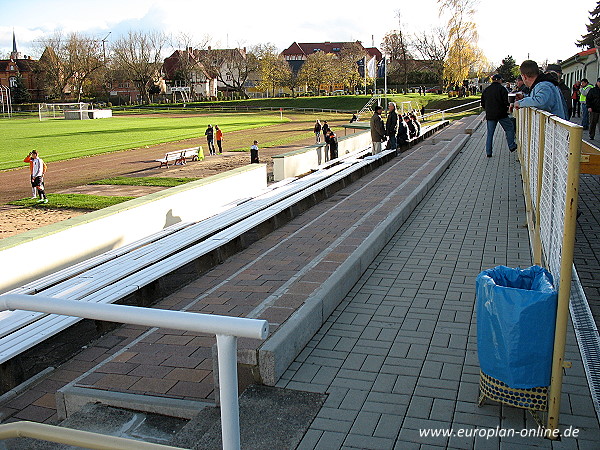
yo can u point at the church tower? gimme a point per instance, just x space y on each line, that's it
14 55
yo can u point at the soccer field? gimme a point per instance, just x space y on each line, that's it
59 139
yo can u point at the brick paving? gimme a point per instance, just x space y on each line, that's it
397 355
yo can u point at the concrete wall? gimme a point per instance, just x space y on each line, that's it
33 254
310 158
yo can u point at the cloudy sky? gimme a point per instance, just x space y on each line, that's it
521 29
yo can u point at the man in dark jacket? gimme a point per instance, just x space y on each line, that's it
391 126
494 101
592 102
377 129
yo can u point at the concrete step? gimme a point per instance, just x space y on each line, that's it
269 418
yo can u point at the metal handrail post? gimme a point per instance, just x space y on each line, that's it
228 390
227 329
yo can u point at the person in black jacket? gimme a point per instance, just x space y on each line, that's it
592 103
494 101
391 126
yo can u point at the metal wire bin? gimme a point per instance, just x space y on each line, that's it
535 400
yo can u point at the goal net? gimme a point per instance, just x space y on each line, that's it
57 110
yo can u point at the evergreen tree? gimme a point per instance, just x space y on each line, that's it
588 40
20 93
508 69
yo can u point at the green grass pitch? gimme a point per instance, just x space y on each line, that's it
59 139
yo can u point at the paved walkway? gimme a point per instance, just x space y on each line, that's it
399 354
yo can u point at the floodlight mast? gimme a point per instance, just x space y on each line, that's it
104 47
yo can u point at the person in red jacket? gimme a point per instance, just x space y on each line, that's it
219 136
30 161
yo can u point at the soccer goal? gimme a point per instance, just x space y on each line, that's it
52 110
5 100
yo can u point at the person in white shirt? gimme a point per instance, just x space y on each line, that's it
254 153
38 170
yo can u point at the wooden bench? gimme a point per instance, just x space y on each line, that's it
179 157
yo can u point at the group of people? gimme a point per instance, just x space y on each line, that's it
212 134
329 138
586 104
534 89
397 130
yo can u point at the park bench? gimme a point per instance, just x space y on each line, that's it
111 277
179 157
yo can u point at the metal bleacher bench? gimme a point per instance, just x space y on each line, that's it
114 275
179 157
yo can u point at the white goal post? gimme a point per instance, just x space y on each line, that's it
50 110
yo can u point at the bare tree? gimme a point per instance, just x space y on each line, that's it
68 62
138 57
433 47
396 45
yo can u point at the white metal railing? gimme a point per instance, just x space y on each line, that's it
227 330
549 151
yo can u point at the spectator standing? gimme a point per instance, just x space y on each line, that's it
583 91
391 126
556 70
377 129
219 135
575 100
494 101
544 94
317 131
593 105
331 140
37 175
354 118
325 128
520 86
254 153
33 188
210 139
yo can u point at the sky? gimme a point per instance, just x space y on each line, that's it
521 29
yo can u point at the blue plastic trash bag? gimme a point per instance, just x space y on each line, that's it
516 315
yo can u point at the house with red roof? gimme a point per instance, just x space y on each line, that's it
584 64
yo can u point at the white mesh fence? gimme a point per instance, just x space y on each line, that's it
555 143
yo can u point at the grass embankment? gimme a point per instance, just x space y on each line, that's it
73 201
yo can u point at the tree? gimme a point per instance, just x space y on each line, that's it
20 93
346 69
68 63
463 52
508 69
433 47
592 37
396 46
231 67
138 57
317 70
274 70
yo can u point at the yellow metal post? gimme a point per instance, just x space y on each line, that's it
537 236
564 290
